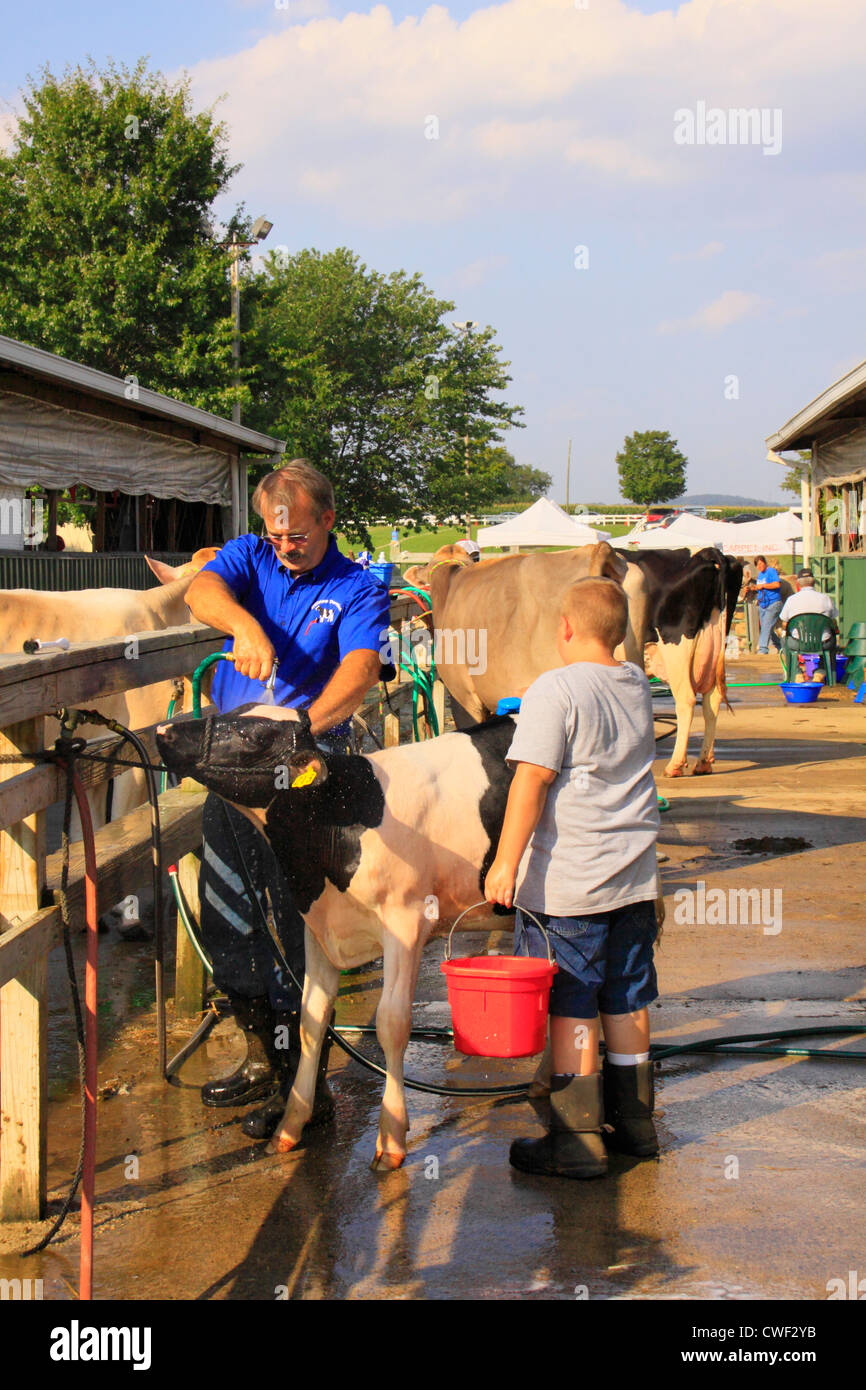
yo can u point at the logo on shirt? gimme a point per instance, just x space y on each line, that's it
327 610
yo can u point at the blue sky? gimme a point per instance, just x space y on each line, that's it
721 287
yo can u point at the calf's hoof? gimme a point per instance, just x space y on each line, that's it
386 1161
677 771
282 1144
702 768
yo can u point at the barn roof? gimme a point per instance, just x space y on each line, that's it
33 361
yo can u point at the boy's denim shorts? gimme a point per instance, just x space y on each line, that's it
605 959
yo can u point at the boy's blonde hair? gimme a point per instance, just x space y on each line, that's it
597 608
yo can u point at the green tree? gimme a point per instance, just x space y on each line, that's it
651 467
358 372
791 480
501 479
106 254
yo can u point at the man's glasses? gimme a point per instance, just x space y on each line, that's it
297 538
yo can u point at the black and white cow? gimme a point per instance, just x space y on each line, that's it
365 843
690 606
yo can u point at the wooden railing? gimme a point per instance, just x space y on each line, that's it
31 689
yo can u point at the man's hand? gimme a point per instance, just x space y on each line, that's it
211 600
499 883
253 652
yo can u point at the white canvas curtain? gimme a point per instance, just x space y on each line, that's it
54 447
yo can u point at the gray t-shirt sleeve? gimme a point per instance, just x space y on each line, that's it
546 714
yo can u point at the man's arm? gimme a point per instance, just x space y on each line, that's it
345 690
211 600
525 804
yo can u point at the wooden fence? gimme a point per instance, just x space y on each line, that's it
31 688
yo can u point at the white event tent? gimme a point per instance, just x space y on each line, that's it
544 523
769 536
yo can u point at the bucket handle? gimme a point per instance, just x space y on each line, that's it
484 903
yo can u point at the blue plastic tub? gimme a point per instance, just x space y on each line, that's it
841 668
805 693
382 572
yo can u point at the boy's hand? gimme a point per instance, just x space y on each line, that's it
499 884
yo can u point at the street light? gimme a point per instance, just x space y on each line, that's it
258 232
465 329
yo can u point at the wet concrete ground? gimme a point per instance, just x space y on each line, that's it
759 1188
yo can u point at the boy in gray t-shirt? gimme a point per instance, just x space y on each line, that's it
578 840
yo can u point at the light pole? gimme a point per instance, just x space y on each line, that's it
258 232
465 329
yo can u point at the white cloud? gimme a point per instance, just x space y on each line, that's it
729 308
702 253
528 92
468 277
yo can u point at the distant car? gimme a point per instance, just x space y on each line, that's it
656 516
745 516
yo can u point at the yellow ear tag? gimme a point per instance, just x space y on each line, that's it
304 779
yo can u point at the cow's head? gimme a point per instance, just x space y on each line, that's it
247 756
451 555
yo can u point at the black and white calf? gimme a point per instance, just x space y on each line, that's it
364 841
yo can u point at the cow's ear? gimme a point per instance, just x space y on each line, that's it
307 769
608 563
166 574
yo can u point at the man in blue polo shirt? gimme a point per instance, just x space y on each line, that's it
768 588
291 597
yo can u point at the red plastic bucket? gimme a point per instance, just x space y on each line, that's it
499 1003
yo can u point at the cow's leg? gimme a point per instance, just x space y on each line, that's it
393 1026
711 704
321 982
678 664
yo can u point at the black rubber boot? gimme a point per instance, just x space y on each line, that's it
262 1123
256 1077
629 1099
572 1147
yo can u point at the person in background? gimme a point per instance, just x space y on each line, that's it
808 600
472 548
767 587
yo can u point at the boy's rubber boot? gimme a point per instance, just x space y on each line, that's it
629 1099
572 1147
256 1077
262 1123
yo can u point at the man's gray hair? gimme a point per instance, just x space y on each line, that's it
281 488
806 579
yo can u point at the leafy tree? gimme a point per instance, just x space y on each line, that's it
106 255
651 467
501 479
358 372
791 480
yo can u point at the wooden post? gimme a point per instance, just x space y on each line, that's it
99 523
391 730
23 1012
189 977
